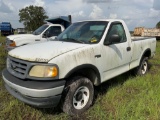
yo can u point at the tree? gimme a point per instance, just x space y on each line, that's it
158 25
32 17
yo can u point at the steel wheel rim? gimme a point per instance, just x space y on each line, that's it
144 67
81 97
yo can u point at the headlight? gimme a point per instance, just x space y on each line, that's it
44 71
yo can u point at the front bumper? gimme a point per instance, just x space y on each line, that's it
37 93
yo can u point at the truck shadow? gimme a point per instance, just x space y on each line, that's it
119 80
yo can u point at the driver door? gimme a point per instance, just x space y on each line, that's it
116 56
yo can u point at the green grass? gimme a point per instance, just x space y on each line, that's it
123 98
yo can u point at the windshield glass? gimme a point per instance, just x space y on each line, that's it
40 30
89 32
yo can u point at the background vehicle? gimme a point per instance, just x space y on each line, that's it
66 70
6 29
52 29
147 32
21 31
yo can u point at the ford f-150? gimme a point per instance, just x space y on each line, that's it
64 71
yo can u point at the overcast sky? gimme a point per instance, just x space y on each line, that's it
134 12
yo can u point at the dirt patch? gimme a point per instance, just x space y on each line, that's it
157 65
154 70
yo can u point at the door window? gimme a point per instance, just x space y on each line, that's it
116 28
53 31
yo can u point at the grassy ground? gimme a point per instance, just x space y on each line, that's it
122 98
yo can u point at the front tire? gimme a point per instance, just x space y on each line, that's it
78 96
142 69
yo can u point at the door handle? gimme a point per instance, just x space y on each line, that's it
37 39
97 56
128 48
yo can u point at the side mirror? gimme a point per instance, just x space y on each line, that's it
46 34
113 39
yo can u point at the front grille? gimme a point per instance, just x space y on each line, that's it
17 67
8 41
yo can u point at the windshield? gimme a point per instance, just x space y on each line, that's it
40 30
89 32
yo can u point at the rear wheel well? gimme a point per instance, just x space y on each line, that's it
147 53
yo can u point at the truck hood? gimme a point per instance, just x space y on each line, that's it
12 37
44 52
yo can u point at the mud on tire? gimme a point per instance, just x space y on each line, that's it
142 69
77 96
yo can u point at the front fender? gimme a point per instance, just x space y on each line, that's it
84 66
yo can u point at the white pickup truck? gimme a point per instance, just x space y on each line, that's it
64 71
52 29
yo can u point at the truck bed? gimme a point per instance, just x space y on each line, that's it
134 38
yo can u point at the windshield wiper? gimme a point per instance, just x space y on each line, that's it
75 40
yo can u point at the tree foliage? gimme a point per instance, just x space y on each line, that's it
32 17
158 25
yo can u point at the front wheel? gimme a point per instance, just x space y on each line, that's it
143 67
78 96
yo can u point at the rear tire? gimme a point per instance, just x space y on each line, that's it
77 96
142 69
